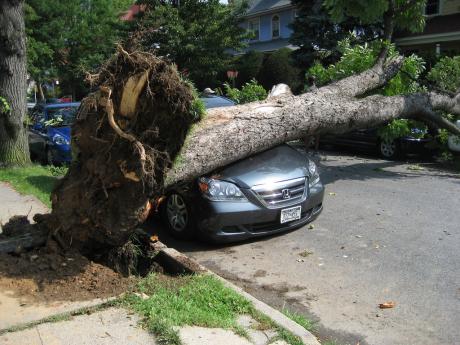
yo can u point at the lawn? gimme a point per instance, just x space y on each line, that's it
196 300
35 180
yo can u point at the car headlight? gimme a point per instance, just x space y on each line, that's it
314 173
217 190
60 140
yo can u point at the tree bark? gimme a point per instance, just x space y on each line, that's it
14 147
127 158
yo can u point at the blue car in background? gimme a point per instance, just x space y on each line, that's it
49 132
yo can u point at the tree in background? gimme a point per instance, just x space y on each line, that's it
66 40
197 36
248 66
277 68
14 147
316 33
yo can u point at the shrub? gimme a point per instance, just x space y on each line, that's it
446 74
248 66
278 68
250 92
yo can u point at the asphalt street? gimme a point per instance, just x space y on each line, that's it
390 231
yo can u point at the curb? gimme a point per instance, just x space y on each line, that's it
175 262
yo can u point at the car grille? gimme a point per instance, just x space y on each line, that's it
280 194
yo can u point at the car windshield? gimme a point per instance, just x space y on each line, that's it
216 102
64 116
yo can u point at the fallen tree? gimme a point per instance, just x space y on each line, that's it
141 131
137 135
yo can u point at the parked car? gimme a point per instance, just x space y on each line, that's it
271 192
454 141
49 133
368 139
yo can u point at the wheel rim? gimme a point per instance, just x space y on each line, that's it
176 210
388 149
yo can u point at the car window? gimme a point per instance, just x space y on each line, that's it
37 115
216 102
64 116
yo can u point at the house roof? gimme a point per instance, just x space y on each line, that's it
268 46
260 6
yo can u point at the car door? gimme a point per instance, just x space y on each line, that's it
37 133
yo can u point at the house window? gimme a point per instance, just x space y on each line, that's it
432 7
254 28
275 26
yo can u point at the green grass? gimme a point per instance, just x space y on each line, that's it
309 325
194 300
35 180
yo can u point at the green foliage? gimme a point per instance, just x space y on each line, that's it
198 108
4 106
356 59
66 39
309 325
402 127
57 171
250 92
248 66
197 36
446 74
188 300
277 68
316 34
406 17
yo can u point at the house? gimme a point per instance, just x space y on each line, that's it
269 20
441 35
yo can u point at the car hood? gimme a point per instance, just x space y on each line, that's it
278 164
63 131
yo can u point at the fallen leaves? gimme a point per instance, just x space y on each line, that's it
305 253
387 305
415 167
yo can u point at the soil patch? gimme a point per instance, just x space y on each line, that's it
42 275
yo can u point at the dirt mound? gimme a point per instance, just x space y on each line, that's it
44 276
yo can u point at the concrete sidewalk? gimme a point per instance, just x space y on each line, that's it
115 326
14 204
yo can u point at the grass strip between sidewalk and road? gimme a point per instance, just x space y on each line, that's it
167 303
34 180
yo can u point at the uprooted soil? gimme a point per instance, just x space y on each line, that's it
44 276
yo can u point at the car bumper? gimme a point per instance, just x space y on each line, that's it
235 221
416 146
62 155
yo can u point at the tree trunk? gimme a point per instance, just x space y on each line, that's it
136 136
14 147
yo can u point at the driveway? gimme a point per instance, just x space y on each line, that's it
390 231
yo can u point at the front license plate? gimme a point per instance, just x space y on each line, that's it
290 214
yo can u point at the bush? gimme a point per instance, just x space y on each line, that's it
446 74
248 66
250 92
278 68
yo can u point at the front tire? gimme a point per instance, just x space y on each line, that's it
49 159
389 149
177 215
